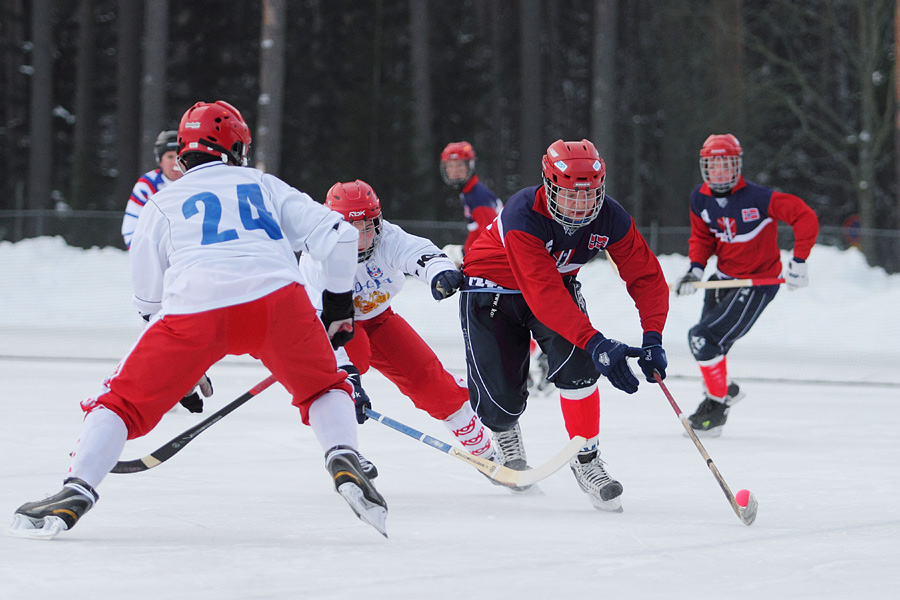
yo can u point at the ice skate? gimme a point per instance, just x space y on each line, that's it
590 472
510 452
368 467
712 413
351 482
45 519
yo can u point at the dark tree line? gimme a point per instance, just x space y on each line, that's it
374 89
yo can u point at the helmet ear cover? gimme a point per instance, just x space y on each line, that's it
360 206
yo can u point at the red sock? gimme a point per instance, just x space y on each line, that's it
715 376
582 416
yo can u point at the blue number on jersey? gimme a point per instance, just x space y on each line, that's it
212 214
251 194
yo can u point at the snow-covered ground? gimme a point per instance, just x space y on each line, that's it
247 509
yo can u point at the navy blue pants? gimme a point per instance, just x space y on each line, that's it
728 314
497 329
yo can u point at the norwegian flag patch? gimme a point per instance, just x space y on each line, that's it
750 214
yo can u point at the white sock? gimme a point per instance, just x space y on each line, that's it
102 439
471 433
333 419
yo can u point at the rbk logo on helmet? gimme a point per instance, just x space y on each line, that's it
359 204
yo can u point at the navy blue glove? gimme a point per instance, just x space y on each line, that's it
360 397
610 358
652 356
337 316
446 283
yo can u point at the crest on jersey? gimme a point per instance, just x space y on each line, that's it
728 227
373 270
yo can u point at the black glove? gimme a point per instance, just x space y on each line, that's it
337 316
610 358
653 357
192 401
446 283
360 397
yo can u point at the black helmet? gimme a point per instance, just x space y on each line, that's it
165 141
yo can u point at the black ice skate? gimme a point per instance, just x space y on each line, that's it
45 519
368 467
590 472
351 482
711 415
510 452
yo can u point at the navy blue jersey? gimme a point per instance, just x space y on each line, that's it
526 250
741 229
480 207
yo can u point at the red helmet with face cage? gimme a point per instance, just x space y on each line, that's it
356 200
575 181
218 129
721 162
462 151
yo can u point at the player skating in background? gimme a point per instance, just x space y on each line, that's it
480 205
521 282
383 339
737 221
213 264
167 171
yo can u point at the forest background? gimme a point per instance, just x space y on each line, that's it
336 90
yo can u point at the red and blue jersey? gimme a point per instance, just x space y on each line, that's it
526 250
480 207
741 229
148 184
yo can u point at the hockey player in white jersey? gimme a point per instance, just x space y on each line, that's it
383 339
214 270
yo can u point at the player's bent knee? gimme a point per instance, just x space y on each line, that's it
701 345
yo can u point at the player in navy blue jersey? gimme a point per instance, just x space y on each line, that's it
480 204
521 282
737 221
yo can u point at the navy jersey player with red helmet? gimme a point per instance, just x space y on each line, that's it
737 221
521 282
480 204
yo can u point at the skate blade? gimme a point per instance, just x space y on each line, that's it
706 433
368 512
25 527
614 505
525 490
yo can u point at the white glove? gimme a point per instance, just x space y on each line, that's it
796 276
685 285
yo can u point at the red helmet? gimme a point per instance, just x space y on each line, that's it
575 182
217 129
721 162
356 200
461 151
